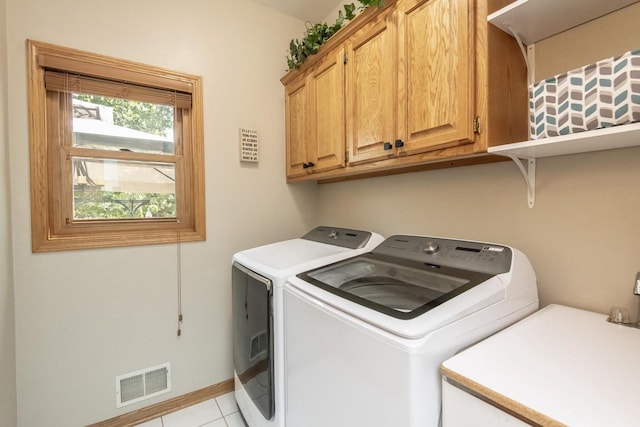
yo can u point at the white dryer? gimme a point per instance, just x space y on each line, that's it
365 337
258 278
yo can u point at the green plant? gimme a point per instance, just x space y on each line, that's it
317 34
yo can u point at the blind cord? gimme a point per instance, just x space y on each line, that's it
179 246
179 281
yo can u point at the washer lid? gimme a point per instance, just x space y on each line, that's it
398 287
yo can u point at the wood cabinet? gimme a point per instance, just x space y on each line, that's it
371 90
435 74
424 82
296 117
315 118
327 112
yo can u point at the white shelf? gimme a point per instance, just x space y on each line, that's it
530 21
621 136
524 154
534 20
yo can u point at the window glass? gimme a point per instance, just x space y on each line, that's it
105 123
110 189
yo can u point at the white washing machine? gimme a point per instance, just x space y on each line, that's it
365 337
258 278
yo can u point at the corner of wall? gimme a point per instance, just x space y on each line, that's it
8 404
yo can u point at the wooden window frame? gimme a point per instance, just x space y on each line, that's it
51 229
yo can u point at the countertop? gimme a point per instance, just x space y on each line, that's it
559 366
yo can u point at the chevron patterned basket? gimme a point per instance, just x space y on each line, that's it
598 95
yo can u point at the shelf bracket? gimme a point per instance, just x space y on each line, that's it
523 50
528 173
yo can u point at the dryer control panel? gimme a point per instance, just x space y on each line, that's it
343 237
473 256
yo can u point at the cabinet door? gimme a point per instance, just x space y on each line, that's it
436 70
327 113
372 90
297 118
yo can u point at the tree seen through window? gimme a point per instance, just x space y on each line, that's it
114 189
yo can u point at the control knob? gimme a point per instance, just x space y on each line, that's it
431 248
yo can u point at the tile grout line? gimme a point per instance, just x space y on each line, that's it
225 416
222 414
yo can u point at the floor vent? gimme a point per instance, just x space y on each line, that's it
141 385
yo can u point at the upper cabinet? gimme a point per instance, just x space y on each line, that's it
423 82
435 74
297 114
315 118
371 90
327 112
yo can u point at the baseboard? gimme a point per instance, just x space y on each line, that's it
159 409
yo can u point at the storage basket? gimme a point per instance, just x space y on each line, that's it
598 95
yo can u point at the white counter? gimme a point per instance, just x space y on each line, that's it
558 366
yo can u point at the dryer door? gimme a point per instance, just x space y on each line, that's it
253 336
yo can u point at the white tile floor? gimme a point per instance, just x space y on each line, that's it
219 412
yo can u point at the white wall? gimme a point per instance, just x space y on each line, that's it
582 235
84 317
608 36
7 335
333 15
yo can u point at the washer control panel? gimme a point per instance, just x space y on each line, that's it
474 256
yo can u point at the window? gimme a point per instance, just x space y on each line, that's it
116 152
